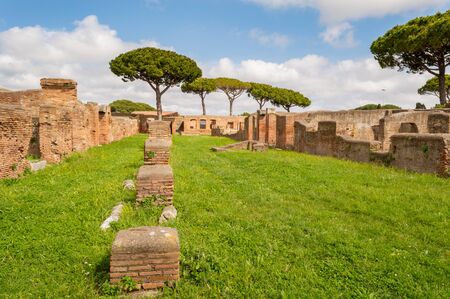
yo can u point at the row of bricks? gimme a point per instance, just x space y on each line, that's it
157 267
137 256
156 162
145 278
161 261
154 182
145 273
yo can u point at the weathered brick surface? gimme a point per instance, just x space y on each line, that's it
422 152
204 124
439 123
55 133
159 129
15 135
149 255
157 151
155 181
56 124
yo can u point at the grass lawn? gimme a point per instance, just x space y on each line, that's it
275 224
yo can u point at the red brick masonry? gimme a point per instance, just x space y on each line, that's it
149 255
155 180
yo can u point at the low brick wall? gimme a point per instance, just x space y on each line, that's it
149 255
422 152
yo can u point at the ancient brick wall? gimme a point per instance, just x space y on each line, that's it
351 149
54 124
15 135
271 129
439 123
122 126
399 122
203 124
285 130
55 133
261 127
422 152
29 100
326 142
93 123
105 120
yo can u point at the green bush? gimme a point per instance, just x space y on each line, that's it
127 106
377 106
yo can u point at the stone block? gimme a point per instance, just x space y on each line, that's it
149 255
157 151
167 214
155 181
36 166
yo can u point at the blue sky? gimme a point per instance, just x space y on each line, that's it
241 38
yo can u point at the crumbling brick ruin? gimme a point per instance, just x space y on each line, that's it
51 123
155 179
149 255
416 140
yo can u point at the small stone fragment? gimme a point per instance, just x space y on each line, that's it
35 166
128 185
114 217
167 214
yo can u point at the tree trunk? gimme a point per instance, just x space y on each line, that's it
261 105
203 104
158 103
442 90
288 109
231 106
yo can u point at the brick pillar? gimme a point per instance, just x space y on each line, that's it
55 133
155 181
59 92
159 128
261 126
105 119
149 255
249 128
157 151
271 128
93 124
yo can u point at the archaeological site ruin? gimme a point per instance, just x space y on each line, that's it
51 123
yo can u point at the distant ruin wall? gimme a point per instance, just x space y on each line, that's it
422 152
15 135
122 127
51 123
325 142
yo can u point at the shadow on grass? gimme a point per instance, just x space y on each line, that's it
102 273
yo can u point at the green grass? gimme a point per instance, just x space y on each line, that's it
276 224
287 225
50 241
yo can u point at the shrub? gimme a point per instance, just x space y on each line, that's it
377 106
127 106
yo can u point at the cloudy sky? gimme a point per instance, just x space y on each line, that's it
318 47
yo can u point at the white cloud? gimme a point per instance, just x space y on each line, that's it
337 11
339 35
30 53
331 86
269 39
